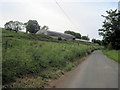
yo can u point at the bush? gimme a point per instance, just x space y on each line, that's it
59 38
65 39
68 67
109 47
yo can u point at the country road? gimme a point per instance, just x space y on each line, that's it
97 71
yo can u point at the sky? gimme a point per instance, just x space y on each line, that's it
82 16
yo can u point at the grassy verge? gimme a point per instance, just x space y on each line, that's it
38 57
113 54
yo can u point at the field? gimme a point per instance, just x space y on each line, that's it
113 54
39 57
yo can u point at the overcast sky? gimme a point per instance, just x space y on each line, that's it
82 16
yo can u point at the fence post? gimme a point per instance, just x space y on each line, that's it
6 44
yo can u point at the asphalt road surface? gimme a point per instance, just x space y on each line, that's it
97 71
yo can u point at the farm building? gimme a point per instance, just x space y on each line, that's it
87 41
56 34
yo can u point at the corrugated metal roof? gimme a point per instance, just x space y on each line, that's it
56 34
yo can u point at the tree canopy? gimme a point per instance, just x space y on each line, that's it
45 27
32 26
97 41
111 29
77 35
14 25
85 38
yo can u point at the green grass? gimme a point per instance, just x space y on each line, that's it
38 55
113 54
69 67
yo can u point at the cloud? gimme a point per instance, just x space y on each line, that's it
61 0
45 13
85 18
87 15
87 0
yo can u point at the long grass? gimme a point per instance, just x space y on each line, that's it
26 54
113 54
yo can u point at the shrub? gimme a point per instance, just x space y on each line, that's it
68 67
59 38
109 47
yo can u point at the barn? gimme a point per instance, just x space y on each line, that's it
56 34
87 41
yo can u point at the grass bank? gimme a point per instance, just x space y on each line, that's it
113 54
38 57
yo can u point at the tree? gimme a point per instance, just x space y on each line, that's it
45 27
93 40
97 41
8 25
111 29
77 35
13 25
32 26
18 25
85 38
